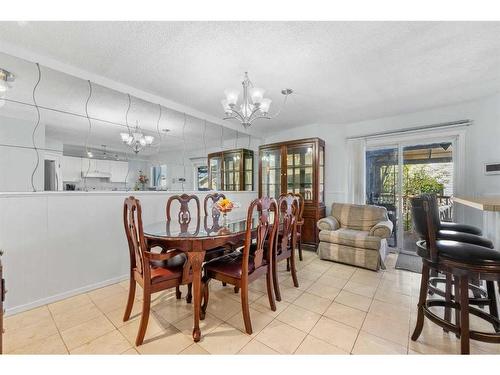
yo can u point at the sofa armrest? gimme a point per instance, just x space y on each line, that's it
382 229
328 223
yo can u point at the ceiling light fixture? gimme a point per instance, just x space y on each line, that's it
136 140
254 106
5 79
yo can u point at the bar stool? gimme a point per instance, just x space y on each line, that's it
463 261
480 295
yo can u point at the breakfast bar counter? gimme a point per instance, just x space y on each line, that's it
490 205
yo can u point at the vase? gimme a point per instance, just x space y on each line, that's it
224 219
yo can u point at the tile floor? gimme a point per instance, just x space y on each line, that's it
337 309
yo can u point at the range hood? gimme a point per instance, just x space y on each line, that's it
96 174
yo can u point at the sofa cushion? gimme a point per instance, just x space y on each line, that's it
358 217
350 237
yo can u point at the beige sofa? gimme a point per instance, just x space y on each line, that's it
355 234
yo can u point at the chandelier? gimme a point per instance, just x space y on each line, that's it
5 84
136 140
254 106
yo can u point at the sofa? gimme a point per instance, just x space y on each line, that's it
356 235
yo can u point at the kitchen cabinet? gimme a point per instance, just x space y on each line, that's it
71 168
296 167
231 170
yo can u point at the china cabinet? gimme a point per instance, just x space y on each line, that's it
231 170
297 167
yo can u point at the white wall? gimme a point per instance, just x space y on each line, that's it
59 244
482 144
17 163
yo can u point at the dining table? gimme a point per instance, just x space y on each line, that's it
195 239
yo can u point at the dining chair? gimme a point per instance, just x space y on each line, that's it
284 248
240 268
154 272
184 220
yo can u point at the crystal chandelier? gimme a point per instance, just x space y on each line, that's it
136 140
254 106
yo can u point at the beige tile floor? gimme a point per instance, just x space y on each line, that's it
337 309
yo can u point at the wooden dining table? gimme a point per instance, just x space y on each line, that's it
202 234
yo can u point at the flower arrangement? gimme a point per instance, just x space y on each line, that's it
225 205
142 180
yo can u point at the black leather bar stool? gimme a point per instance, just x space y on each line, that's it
461 233
463 261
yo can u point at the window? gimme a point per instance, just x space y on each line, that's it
159 177
202 177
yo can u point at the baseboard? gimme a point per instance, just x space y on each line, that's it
61 296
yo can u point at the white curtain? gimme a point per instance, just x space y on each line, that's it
356 191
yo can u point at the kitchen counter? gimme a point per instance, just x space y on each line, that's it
490 205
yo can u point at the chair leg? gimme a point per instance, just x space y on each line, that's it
300 248
224 284
457 299
205 296
447 309
130 300
276 284
464 315
189 296
293 269
424 287
492 296
288 264
143 325
246 309
270 294
236 290
178 293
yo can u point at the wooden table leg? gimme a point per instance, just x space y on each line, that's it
196 260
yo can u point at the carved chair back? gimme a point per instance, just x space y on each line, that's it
132 220
214 198
288 207
184 216
267 228
300 199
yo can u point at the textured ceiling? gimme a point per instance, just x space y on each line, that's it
341 71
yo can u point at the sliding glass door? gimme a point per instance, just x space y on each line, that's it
395 173
382 183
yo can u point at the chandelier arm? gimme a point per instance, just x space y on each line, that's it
252 117
260 117
238 115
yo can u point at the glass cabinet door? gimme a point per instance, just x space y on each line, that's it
300 170
215 173
321 190
231 169
271 172
248 172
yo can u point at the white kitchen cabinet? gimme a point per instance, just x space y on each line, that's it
71 168
103 166
119 171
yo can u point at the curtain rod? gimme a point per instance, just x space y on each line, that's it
442 125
